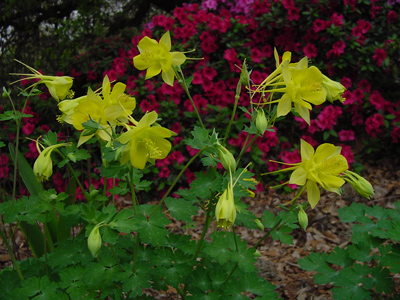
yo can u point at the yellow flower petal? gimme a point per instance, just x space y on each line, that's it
313 193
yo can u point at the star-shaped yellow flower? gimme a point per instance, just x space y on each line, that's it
145 142
156 57
322 166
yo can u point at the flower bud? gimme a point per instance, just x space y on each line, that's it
94 241
225 211
259 224
334 90
245 75
359 184
303 219
227 159
261 121
257 253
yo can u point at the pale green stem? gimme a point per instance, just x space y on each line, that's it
245 147
132 188
237 96
176 180
277 226
203 233
182 81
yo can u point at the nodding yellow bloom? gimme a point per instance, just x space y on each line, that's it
43 167
145 142
322 166
156 57
58 86
225 211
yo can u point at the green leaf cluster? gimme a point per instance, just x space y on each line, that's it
366 268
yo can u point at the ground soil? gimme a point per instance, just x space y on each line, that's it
278 263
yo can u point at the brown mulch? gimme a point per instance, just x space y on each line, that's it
278 263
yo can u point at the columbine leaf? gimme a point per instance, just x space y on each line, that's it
200 138
204 184
317 262
152 229
382 280
181 209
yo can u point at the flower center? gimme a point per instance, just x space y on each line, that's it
154 151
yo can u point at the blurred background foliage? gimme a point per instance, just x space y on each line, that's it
45 33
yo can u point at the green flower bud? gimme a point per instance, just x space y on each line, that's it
257 253
259 224
334 90
303 219
227 159
225 210
245 75
94 241
359 184
261 121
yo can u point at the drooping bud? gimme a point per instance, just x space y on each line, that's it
261 121
334 90
259 224
303 219
359 184
225 211
227 159
95 241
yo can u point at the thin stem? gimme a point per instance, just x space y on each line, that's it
132 188
237 96
245 147
135 256
115 256
277 226
10 251
176 180
203 233
182 81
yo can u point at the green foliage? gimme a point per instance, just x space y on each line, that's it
367 267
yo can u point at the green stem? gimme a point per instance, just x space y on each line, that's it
115 256
176 179
245 147
87 196
135 256
277 226
132 188
203 234
182 81
10 251
237 96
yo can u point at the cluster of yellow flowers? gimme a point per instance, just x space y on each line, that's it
297 84
300 86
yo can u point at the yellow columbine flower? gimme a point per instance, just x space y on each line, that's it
303 86
156 58
111 110
322 166
145 142
58 86
225 211
43 167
